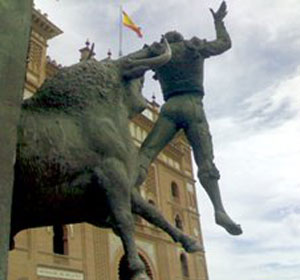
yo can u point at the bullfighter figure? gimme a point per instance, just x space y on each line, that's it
181 81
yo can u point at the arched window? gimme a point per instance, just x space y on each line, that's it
184 265
60 240
178 222
174 190
123 268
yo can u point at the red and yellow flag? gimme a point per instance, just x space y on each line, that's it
128 22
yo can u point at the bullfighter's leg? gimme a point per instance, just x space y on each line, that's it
153 216
161 134
199 137
112 176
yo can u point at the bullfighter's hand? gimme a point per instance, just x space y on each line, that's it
221 13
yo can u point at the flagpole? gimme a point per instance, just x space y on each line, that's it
121 32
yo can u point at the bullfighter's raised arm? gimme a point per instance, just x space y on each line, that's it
222 42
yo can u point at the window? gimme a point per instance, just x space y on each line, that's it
184 265
178 222
174 190
60 240
151 202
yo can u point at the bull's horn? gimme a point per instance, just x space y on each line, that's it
152 62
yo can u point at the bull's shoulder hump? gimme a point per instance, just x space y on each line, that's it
77 86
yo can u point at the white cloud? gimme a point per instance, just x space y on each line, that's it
261 186
269 101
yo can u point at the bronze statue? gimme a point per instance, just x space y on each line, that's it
181 80
76 160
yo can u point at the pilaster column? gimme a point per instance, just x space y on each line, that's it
15 22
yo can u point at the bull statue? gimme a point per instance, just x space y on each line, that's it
76 160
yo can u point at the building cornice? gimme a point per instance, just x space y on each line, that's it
44 26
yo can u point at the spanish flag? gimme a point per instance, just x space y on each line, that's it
128 22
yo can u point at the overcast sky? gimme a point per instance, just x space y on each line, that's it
252 102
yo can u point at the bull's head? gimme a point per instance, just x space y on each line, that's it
134 67
111 83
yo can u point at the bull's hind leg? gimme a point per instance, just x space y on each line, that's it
150 213
113 178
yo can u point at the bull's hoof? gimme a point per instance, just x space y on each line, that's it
191 245
140 276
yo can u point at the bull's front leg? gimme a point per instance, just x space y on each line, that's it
112 176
